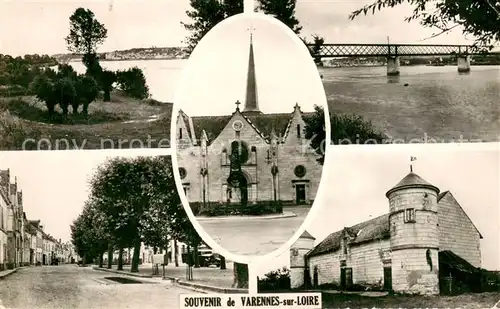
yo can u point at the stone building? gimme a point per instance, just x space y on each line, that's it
275 160
398 251
14 225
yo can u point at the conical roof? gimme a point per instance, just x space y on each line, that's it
412 180
307 235
251 102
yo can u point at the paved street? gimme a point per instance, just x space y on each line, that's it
69 286
255 236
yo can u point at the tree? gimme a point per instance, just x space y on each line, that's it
315 51
205 14
479 18
240 272
315 131
283 10
106 80
133 82
345 129
65 93
85 32
43 88
135 195
87 91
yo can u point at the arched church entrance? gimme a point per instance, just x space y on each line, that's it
237 188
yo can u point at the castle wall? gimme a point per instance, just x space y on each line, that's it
365 261
456 231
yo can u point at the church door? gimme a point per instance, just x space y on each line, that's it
387 278
300 194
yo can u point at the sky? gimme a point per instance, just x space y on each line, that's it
55 184
215 75
356 179
146 23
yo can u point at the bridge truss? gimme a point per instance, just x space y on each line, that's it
392 50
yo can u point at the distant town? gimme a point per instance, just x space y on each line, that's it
151 53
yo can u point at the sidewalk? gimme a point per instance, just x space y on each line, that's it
5 273
207 279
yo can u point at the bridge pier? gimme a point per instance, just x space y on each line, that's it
392 66
463 63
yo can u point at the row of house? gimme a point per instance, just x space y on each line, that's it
24 242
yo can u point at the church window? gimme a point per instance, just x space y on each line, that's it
300 171
345 245
409 215
180 133
237 134
254 155
298 131
182 172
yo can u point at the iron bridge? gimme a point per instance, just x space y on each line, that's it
392 50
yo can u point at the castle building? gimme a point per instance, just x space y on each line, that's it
400 251
276 160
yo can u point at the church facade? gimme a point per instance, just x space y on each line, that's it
398 251
247 157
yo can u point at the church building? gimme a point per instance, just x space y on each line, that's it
401 251
248 157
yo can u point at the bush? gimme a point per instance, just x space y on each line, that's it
276 280
14 91
219 209
351 129
133 82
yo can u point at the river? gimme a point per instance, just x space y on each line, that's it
433 104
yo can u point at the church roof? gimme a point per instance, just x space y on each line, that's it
412 180
377 228
213 125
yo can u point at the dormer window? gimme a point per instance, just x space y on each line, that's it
298 131
345 245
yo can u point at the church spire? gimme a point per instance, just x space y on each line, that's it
251 103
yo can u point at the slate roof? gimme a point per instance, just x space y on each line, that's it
213 125
376 228
412 180
456 262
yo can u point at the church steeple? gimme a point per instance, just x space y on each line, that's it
251 103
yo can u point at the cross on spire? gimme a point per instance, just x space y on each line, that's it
237 105
251 29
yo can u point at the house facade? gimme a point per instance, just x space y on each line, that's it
247 156
397 251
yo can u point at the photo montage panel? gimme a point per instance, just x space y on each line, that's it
249 133
412 222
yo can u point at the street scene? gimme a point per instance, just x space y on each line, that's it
69 286
122 217
253 170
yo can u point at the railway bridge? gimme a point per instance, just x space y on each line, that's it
393 52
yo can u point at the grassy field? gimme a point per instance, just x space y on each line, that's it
121 123
465 301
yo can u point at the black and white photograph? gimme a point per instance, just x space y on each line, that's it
101 230
386 80
419 229
249 159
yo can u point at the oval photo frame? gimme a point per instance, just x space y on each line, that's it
183 86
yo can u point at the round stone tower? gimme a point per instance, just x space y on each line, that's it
298 250
414 243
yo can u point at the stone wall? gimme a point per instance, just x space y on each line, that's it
364 259
456 231
412 274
